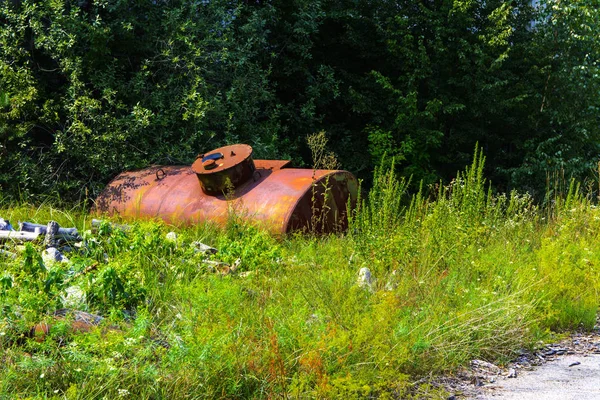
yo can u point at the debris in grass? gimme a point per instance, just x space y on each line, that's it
512 373
29 232
222 268
52 255
171 237
364 278
79 316
51 232
5 225
204 248
484 366
81 322
18 236
214 265
42 229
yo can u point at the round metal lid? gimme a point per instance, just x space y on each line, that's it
221 159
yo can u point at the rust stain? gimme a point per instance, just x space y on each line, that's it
266 191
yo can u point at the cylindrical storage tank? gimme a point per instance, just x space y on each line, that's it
227 180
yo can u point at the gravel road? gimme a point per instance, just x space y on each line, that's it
569 369
567 377
565 370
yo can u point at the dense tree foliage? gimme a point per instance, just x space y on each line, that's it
89 88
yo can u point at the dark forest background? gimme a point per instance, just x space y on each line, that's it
91 88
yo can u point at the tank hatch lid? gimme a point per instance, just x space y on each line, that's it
221 159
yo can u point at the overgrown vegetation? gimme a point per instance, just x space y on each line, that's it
91 88
459 274
405 88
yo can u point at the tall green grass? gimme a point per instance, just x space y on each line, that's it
459 273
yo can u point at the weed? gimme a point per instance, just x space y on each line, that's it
321 196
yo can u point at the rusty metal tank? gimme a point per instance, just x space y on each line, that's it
228 181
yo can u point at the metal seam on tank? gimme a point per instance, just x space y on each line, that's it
301 196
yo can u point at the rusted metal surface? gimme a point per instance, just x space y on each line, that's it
224 168
281 199
273 165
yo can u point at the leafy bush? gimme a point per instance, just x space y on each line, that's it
91 88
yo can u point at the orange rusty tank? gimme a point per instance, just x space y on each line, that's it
227 180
